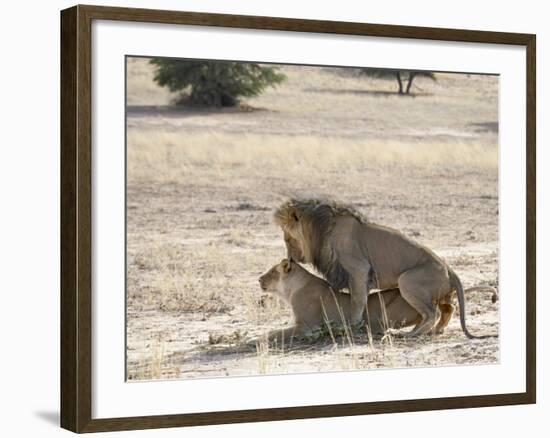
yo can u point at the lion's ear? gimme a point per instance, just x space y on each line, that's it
286 266
294 215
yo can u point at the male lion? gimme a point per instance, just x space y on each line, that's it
349 250
314 303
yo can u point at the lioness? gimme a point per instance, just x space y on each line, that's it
347 249
314 303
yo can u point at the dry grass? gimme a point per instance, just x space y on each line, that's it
202 185
169 157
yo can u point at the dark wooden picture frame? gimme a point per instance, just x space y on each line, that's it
76 218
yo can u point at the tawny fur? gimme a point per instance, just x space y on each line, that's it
350 251
315 304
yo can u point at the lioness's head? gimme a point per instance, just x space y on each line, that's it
273 279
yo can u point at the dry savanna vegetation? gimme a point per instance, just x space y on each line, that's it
202 185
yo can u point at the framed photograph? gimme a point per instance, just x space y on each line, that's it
269 218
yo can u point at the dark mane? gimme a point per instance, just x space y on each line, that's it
313 207
318 217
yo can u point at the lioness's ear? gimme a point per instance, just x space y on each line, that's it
286 266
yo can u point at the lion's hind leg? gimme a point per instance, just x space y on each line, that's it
418 288
447 310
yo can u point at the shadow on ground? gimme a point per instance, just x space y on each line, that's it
171 111
379 93
485 127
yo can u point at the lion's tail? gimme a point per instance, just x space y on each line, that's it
491 289
457 284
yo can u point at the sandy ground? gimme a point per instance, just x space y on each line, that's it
202 186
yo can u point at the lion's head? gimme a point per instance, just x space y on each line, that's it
306 225
301 222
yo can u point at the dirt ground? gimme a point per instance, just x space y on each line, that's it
202 185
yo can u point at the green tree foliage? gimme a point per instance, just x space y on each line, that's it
214 83
400 75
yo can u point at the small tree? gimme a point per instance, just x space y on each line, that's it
214 83
400 75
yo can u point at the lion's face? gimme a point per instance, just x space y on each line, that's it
295 233
294 248
272 279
